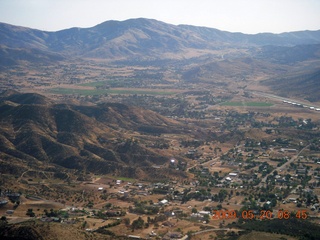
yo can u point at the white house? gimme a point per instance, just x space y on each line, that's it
233 174
164 202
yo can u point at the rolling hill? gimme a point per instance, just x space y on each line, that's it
304 84
36 131
225 71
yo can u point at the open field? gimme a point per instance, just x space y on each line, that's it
247 104
87 92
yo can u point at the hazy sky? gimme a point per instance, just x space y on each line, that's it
248 16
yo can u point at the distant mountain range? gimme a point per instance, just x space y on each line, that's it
132 39
211 55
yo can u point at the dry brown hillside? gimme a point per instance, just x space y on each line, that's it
93 138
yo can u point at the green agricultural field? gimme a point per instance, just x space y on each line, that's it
134 91
97 84
125 179
247 104
88 92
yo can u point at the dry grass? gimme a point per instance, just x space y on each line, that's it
265 236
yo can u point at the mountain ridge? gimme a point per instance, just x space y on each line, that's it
138 38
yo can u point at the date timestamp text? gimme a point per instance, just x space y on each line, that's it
262 214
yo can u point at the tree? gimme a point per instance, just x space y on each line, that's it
222 194
273 202
138 223
126 221
206 217
108 205
30 212
84 224
3 221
